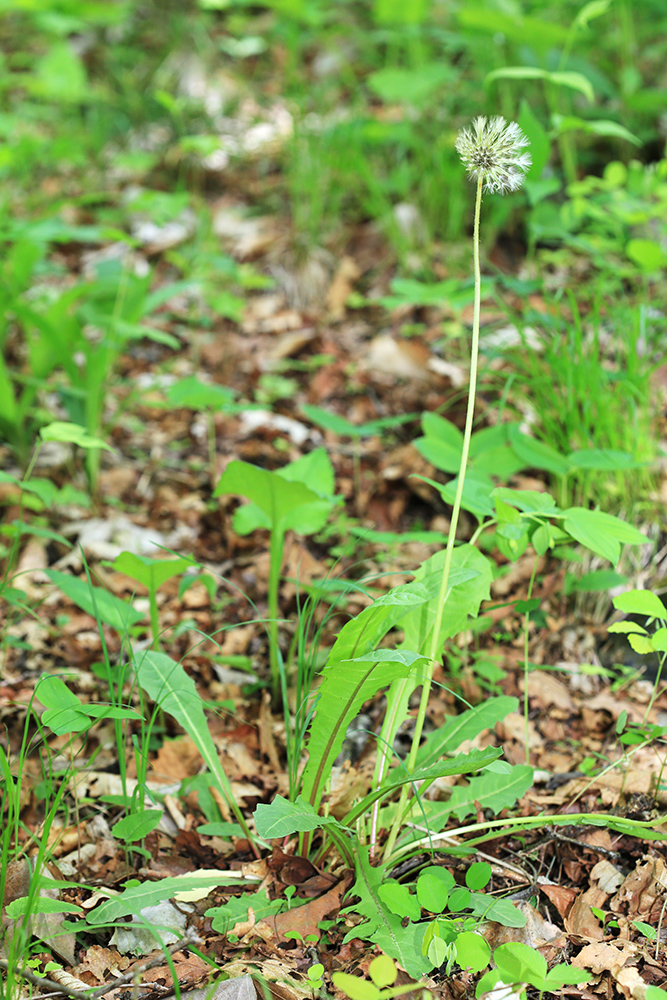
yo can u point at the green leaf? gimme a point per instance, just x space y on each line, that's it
492 791
314 470
478 874
168 685
537 454
540 145
273 494
383 927
646 254
399 900
64 711
354 987
518 963
383 971
476 493
475 760
472 951
345 428
603 459
566 975
281 500
224 917
465 726
196 395
138 897
95 601
571 123
152 573
67 433
602 533
280 818
640 602
136 826
43 904
394 84
433 887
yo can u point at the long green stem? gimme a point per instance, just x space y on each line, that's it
435 651
275 562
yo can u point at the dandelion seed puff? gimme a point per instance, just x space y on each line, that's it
491 152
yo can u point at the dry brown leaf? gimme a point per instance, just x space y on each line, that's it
601 957
548 690
98 961
560 896
608 877
399 359
177 759
305 919
641 890
341 286
581 920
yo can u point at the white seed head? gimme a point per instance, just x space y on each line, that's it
491 151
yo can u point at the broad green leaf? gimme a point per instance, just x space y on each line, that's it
603 459
399 900
602 533
641 602
43 904
463 763
465 726
501 910
95 601
152 573
648 255
486 20
571 123
520 963
138 825
591 10
641 644
356 988
433 887
224 917
538 455
574 81
627 628
67 433
472 951
64 711
280 818
492 791
314 470
271 493
138 897
168 685
345 428
479 873
383 971
476 493
196 395
381 926
565 974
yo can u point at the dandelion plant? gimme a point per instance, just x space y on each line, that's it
492 152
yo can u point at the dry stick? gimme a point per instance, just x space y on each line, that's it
127 977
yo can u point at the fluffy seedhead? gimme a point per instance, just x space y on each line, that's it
491 151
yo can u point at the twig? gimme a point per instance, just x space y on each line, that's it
189 938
